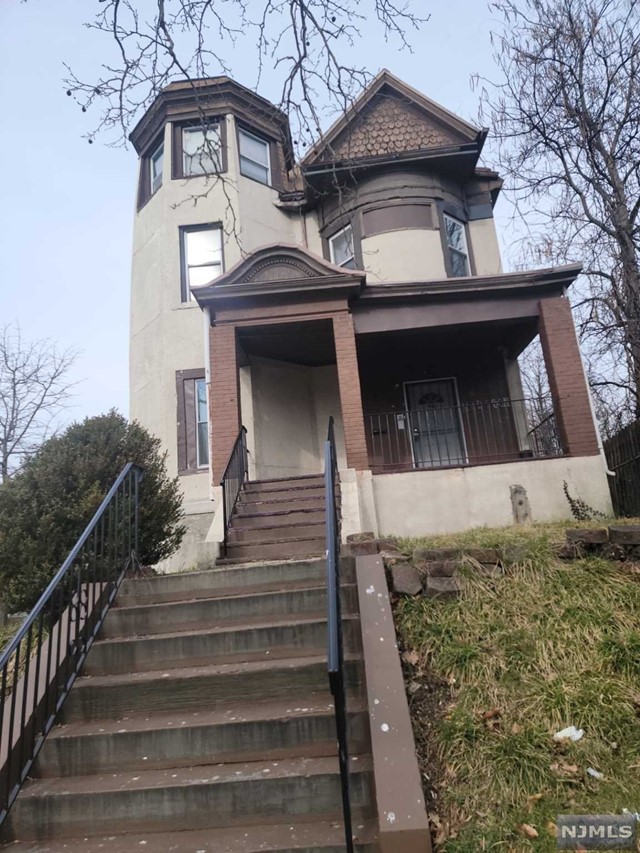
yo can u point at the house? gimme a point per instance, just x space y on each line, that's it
362 282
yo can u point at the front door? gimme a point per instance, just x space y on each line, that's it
436 428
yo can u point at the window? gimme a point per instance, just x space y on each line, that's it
254 157
202 424
155 168
456 246
192 421
341 248
201 257
201 150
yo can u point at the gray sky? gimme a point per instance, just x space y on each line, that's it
67 206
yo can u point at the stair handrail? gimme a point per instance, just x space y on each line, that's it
235 474
335 649
42 661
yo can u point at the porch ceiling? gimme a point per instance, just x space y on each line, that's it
308 343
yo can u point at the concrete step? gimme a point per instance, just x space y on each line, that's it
186 586
281 550
282 493
267 504
276 531
208 796
207 613
285 482
308 837
270 518
287 636
111 697
264 730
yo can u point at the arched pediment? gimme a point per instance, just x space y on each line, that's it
279 267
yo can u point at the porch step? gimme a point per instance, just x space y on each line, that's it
205 613
279 491
262 640
267 516
251 506
174 799
295 547
307 837
110 697
272 531
294 482
187 586
264 730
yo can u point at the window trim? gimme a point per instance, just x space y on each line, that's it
241 156
330 241
186 423
177 153
186 296
443 214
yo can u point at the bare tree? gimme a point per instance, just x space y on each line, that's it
308 43
34 388
567 121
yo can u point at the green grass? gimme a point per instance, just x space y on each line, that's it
548 645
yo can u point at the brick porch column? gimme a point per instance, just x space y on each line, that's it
566 378
350 393
224 397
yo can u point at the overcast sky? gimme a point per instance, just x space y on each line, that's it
67 207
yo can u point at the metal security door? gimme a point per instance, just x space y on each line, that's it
437 436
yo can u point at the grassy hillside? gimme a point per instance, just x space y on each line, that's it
493 675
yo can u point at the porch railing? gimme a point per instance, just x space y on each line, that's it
476 433
40 664
335 650
235 474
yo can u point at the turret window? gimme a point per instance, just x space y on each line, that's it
155 166
456 246
255 161
201 150
341 248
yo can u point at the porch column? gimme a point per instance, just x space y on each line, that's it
350 393
224 397
566 378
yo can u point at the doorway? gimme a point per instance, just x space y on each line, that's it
435 423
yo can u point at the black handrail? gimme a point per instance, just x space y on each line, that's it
40 664
235 474
335 650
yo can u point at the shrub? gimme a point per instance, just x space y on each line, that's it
47 505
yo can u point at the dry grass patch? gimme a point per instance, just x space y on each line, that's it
494 674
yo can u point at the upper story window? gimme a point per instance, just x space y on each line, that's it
201 256
456 246
341 248
151 164
255 160
155 168
201 150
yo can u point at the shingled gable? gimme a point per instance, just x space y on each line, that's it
280 269
390 117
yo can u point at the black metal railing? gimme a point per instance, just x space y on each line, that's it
40 664
335 650
235 474
476 433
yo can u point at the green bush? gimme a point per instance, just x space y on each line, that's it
47 505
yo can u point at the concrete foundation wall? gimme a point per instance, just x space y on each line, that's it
423 502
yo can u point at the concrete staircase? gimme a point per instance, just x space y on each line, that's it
203 723
278 519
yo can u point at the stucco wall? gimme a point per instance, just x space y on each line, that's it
287 416
484 246
423 502
411 255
